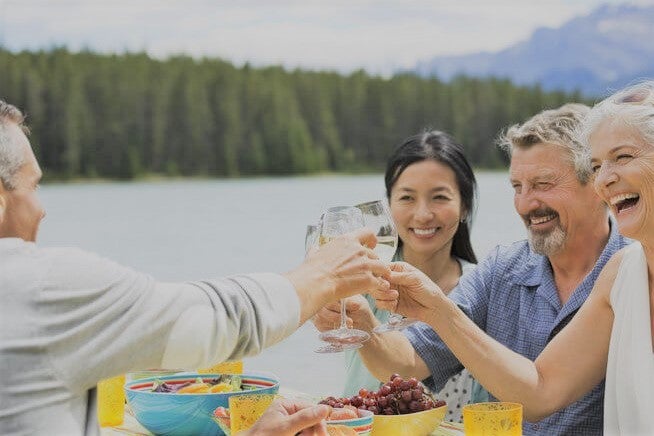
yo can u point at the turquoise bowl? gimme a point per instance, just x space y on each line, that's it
186 414
362 425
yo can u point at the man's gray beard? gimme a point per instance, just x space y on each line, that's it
548 243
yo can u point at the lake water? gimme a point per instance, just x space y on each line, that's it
184 230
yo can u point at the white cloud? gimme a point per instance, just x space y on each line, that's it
337 34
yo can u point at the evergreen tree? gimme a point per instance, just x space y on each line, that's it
127 115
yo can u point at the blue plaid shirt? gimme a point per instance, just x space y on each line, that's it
512 296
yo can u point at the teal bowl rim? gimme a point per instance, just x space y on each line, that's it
188 376
367 416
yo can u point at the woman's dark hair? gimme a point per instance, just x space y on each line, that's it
441 147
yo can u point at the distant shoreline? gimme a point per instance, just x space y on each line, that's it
47 180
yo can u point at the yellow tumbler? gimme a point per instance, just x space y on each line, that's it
245 410
111 401
492 419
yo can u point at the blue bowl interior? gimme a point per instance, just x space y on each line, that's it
186 414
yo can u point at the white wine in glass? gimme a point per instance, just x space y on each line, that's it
377 217
385 248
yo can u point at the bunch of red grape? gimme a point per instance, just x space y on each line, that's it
396 397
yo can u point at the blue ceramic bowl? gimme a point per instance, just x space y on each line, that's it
186 414
362 425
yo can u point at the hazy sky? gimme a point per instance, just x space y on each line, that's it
343 35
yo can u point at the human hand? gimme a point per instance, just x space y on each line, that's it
359 315
351 264
345 266
412 293
288 417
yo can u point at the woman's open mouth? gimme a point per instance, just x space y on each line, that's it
624 202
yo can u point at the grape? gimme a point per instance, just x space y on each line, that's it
397 396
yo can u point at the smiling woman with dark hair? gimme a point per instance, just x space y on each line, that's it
447 154
431 190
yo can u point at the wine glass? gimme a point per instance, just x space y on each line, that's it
377 217
337 221
312 237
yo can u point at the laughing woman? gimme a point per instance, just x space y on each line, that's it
613 333
430 187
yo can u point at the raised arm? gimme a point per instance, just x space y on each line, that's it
380 354
570 365
186 325
388 353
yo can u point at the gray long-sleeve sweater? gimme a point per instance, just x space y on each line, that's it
69 319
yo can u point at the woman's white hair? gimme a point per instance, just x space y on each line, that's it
11 156
633 106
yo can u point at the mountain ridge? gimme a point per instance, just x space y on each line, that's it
595 54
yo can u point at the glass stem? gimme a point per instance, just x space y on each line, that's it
343 315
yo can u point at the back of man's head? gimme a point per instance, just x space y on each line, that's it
554 126
11 156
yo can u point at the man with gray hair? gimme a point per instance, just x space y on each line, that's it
524 294
69 319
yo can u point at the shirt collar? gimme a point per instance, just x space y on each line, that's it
532 271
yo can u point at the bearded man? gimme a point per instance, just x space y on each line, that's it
522 295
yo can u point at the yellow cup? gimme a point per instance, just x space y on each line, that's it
492 419
245 410
233 367
111 401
